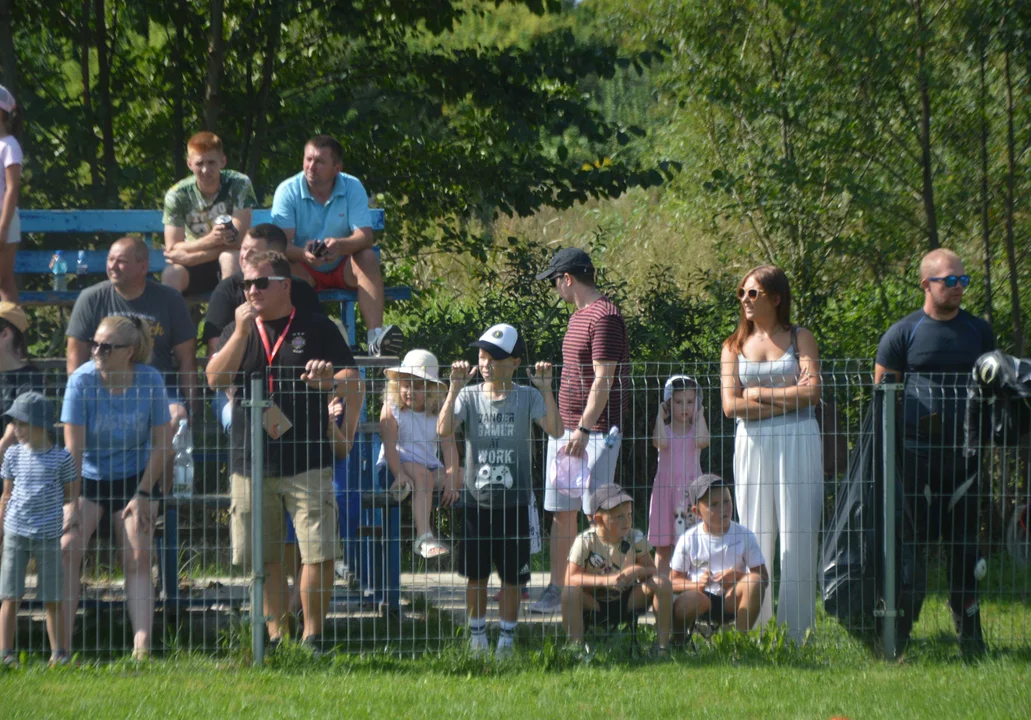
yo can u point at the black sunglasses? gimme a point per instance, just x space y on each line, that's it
752 293
104 349
260 283
952 281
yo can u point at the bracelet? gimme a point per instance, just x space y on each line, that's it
143 493
584 430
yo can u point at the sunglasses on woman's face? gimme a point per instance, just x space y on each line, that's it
104 349
750 293
260 283
951 281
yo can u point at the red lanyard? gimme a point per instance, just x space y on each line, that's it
270 353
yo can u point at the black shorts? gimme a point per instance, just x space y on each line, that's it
112 496
495 537
718 610
203 278
612 613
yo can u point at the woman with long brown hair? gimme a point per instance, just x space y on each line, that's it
770 379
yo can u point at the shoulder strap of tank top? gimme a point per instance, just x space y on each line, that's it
794 345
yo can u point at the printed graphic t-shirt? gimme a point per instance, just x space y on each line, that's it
498 438
187 208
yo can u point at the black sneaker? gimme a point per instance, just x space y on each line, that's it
390 342
313 644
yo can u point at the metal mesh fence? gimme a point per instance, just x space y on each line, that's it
376 541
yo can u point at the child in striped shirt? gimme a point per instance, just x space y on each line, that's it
39 478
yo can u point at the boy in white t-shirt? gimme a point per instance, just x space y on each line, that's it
717 568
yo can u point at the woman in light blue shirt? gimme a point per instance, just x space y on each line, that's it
118 429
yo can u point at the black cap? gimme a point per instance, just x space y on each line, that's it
567 260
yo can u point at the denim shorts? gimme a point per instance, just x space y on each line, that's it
17 550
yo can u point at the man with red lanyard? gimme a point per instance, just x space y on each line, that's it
297 353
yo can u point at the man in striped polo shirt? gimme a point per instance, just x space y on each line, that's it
593 398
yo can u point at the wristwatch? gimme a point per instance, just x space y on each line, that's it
584 430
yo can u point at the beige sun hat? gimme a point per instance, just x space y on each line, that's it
420 364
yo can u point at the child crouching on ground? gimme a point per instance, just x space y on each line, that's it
611 575
39 478
498 416
717 567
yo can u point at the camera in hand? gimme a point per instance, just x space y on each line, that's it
319 248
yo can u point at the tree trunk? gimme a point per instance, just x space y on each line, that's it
213 81
89 120
1011 172
178 90
268 68
986 233
106 107
925 128
8 57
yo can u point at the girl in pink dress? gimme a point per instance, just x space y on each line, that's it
680 435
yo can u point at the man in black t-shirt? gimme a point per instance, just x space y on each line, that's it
297 354
228 294
932 351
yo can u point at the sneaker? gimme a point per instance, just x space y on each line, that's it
478 645
496 597
505 648
9 659
549 602
389 342
313 644
60 658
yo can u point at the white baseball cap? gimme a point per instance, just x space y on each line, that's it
7 103
501 342
420 364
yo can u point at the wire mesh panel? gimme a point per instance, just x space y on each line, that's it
415 535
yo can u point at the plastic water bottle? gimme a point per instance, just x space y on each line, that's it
60 270
612 438
182 465
81 268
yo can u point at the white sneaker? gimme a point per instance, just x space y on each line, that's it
549 602
505 648
478 645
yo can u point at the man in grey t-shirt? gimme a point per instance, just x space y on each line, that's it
128 291
498 416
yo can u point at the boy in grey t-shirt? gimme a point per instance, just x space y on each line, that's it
498 416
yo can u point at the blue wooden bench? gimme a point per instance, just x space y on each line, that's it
384 581
147 223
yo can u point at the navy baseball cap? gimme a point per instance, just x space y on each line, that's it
567 260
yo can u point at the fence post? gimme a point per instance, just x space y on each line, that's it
890 388
257 405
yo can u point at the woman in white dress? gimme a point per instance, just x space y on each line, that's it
770 384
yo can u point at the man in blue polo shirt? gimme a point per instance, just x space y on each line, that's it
325 215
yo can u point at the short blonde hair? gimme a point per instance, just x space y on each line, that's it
134 331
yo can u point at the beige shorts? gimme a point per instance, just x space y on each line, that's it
311 502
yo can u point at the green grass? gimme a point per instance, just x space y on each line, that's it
455 687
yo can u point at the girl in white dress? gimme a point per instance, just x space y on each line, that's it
408 424
770 381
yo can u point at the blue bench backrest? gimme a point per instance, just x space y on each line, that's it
119 222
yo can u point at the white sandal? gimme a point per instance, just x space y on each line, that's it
429 547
